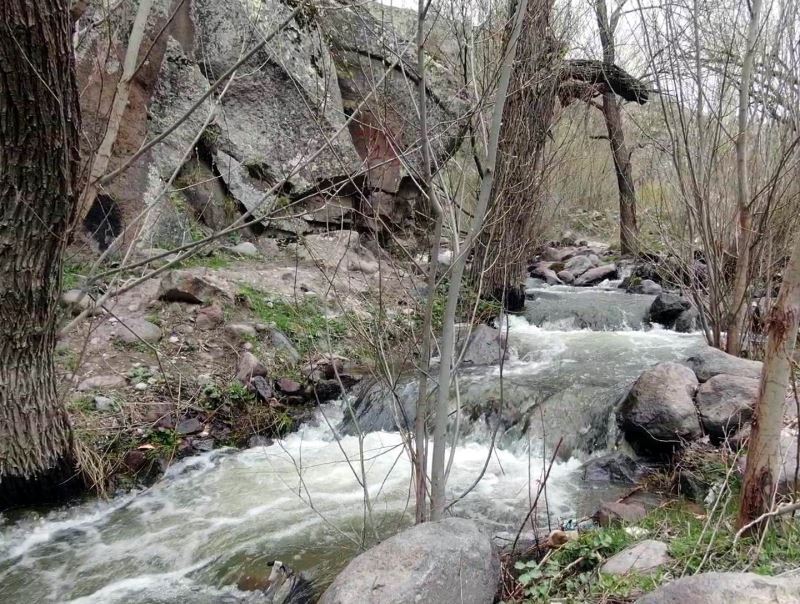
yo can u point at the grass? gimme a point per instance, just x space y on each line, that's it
303 322
699 539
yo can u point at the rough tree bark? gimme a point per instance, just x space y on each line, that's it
628 228
39 157
504 250
739 302
763 456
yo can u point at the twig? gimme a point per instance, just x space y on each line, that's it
784 509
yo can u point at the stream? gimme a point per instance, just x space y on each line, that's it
205 532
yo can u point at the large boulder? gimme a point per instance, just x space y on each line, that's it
577 265
713 361
725 404
658 414
727 588
666 309
436 562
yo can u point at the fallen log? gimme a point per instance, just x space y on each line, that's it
579 77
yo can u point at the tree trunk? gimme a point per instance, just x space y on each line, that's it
504 251
763 456
39 162
628 229
739 302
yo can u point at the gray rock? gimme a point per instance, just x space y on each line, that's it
687 321
209 317
282 342
101 381
597 275
566 276
725 404
543 271
666 308
187 286
727 588
486 346
104 403
612 467
436 563
189 426
647 287
615 513
261 387
658 414
203 445
248 367
578 265
245 248
132 331
643 558
713 361
240 330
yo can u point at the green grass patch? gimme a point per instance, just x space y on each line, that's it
304 322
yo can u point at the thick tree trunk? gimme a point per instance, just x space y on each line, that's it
763 456
628 229
39 126
502 257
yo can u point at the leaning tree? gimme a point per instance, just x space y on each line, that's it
39 162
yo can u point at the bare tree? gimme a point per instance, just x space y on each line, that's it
745 219
628 229
39 162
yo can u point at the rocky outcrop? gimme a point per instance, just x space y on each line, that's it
713 361
727 588
278 142
658 414
725 404
435 562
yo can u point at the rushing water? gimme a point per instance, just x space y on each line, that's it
210 526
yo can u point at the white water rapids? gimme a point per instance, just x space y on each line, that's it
211 524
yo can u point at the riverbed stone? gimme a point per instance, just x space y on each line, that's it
725 404
712 361
189 426
597 275
452 560
727 588
209 317
687 321
578 265
245 248
658 414
615 513
666 308
612 467
486 346
642 558
566 276
248 367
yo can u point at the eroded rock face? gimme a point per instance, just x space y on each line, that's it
658 415
727 588
284 115
435 562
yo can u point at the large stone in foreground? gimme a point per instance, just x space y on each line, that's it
436 563
658 414
727 588
725 404
712 361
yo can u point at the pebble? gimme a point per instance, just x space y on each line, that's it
141 386
174 339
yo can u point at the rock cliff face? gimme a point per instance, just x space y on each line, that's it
319 127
